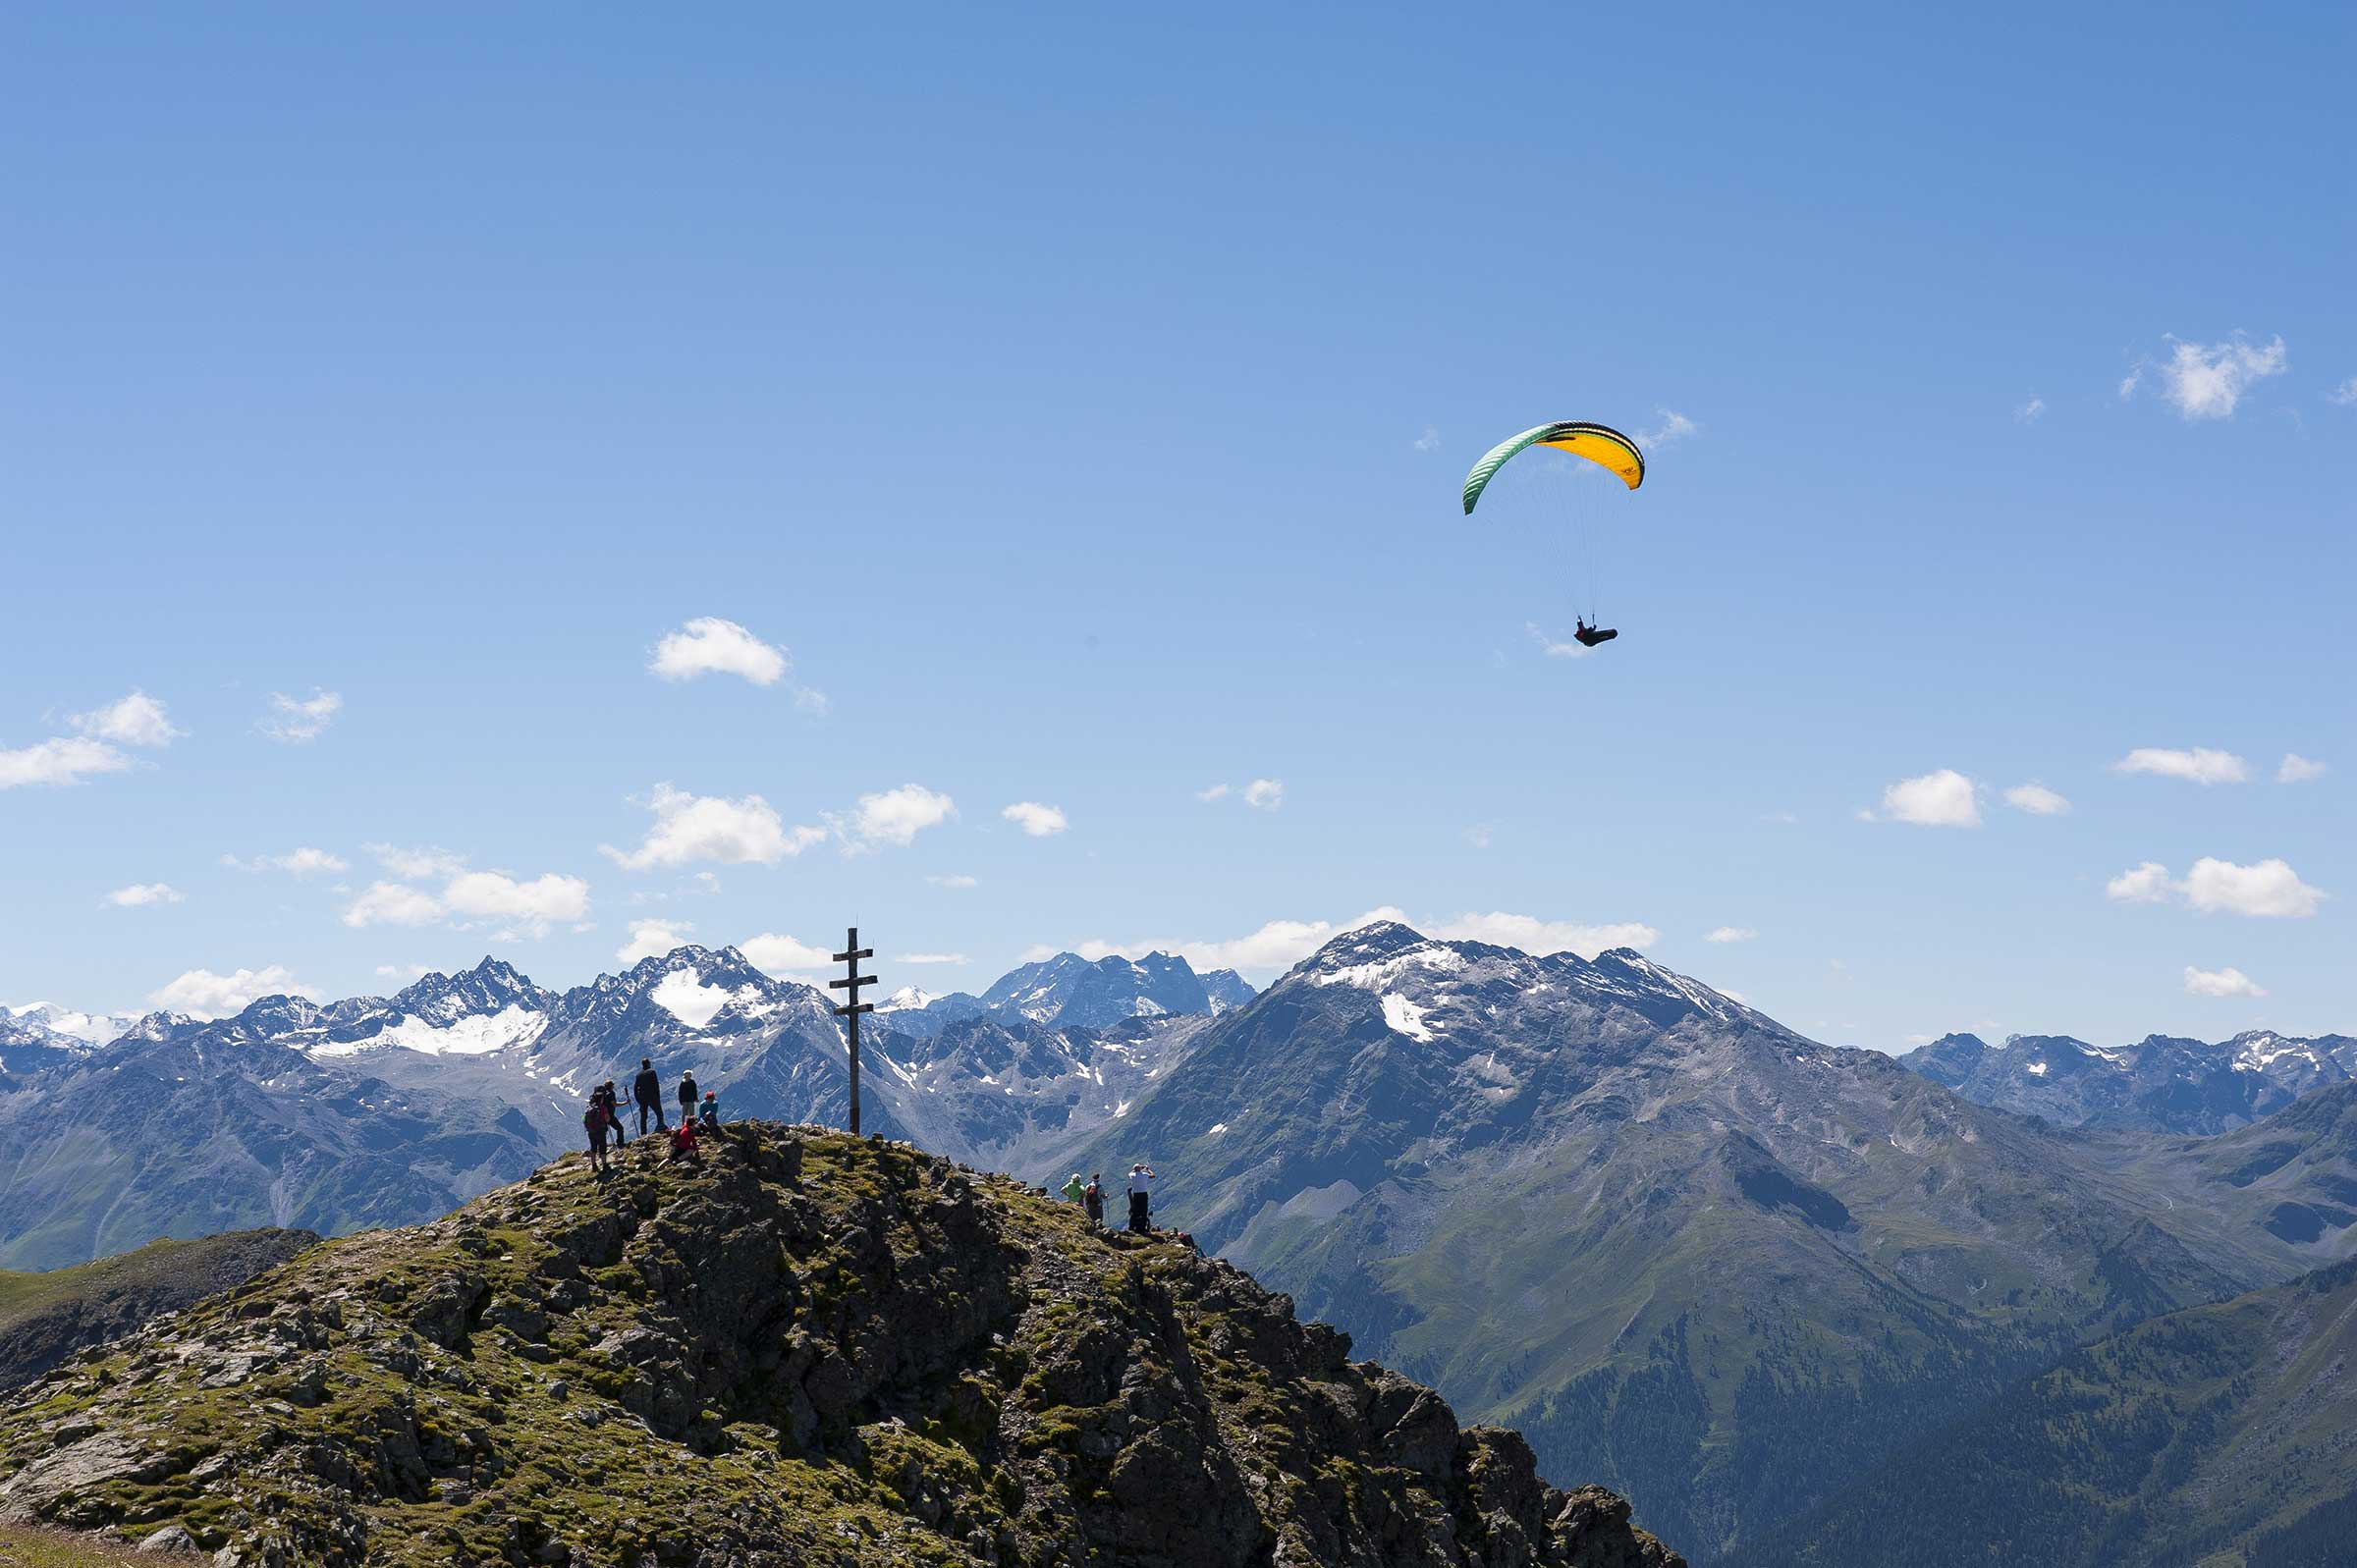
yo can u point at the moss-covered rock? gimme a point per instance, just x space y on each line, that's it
803 1349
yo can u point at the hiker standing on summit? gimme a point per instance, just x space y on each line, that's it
1141 1197
687 1096
646 1090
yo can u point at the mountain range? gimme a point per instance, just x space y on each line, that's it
2159 1084
384 1111
1690 1252
1686 1251
1067 991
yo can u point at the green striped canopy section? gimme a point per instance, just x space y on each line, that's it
1599 443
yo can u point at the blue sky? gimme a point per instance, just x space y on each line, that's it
1079 397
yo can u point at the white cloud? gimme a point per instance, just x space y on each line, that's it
774 955
931 957
2201 765
1035 819
1941 800
1277 945
2220 983
1535 936
709 645
1551 648
1217 791
530 905
2269 888
2345 395
393 903
61 761
425 861
652 938
299 862
2147 883
136 720
403 971
2206 381
895 817
690 827
1265 795
203 994
2296 769
2030 413
1729 934
2036 799
1429 441
1479 835
292 720
1674 426
139 895
957 880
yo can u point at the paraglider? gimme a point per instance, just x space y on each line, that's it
1601 445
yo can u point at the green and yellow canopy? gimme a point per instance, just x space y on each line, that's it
1601 445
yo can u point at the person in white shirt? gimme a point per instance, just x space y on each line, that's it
1141 1197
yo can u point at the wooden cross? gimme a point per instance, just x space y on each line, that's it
852 980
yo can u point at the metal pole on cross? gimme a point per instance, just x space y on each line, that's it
851 981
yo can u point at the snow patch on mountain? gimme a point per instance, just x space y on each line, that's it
683 994
469 1035
1404 1017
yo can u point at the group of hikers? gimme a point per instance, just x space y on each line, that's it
1090 1196
698 1107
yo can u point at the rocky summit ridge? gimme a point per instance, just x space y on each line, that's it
803 1348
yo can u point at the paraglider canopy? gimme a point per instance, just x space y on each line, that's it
1601 445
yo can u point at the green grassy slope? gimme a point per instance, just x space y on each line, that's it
2215 1436
47 1316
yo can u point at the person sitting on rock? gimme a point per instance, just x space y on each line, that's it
682 1141
1073 1191
710 1114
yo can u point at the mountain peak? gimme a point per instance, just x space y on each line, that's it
1365 945
624 1340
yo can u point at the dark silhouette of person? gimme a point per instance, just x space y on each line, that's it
1588 636
647 1091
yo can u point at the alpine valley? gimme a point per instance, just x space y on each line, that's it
1688 1253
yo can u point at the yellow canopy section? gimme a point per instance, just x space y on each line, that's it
1601 445
1608 447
